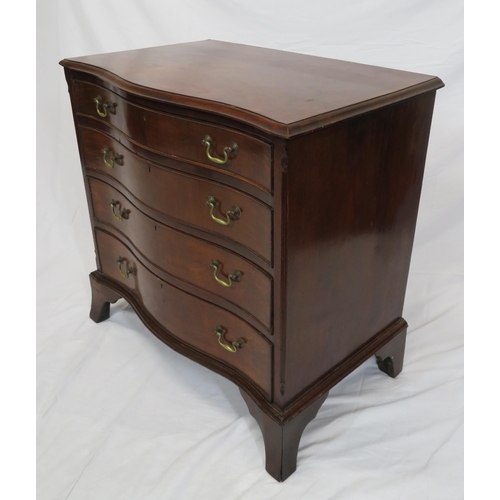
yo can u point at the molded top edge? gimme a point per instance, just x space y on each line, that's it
280 92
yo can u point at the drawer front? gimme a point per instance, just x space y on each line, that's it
182 197
180 137
190 319
184 256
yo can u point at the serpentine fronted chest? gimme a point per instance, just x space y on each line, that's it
257 209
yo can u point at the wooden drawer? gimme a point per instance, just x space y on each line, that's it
184 256
180 137
181 196
190 319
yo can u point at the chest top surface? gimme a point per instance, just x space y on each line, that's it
278 91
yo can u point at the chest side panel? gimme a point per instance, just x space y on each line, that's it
352 201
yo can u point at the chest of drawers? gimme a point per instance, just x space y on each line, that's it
257 209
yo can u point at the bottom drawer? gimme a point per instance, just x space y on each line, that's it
189 318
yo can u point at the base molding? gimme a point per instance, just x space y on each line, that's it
106 290
281 428
374 346
282 432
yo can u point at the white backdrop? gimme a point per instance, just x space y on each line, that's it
120 415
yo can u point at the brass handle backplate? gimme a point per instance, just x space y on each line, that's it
121 214
233 214
112 158
104 105
232 149
234 346
236 276
126 273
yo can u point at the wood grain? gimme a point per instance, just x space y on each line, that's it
328 181
278 91
180 137
183 256
182 197
175 310
349 245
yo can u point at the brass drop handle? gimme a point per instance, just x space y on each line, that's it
122 214
105 106
112 159
236 276
234 346
234 213
228 150
126 273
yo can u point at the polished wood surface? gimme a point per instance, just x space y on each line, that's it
282 438
178 137
167 248
328 181
169 306
368 190
102 298
182 197
275 90
390 358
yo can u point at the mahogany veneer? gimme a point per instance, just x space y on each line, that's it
293 179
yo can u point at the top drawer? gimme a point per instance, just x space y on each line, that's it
212 146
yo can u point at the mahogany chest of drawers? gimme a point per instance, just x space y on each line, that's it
257 209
